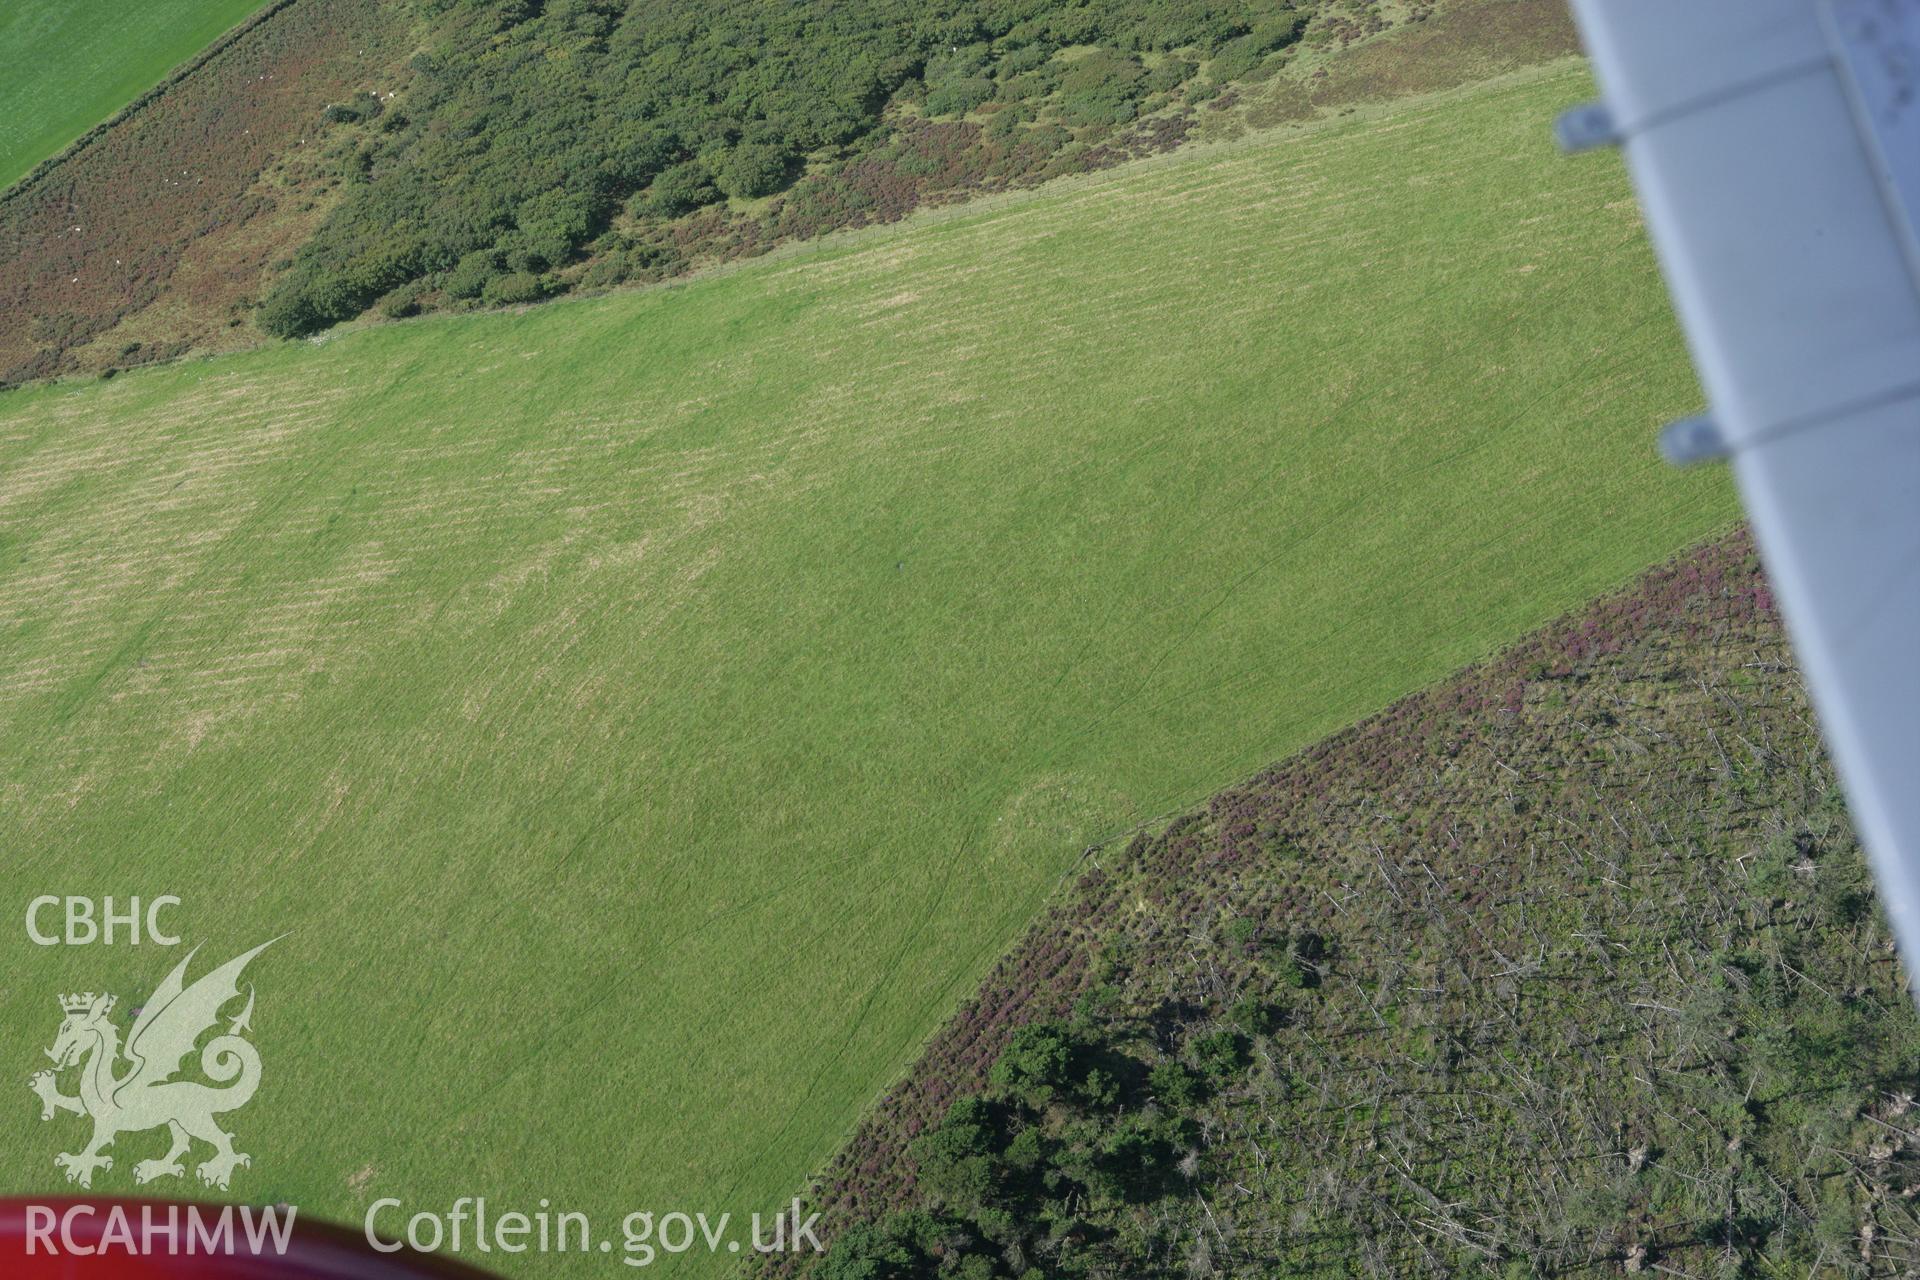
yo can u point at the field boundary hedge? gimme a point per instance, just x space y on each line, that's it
225 41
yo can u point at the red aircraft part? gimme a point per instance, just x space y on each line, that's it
79 1238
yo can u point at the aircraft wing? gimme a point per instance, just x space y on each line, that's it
1775 146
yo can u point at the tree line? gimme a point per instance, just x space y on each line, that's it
526 129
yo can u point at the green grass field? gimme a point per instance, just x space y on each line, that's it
651 714
66 65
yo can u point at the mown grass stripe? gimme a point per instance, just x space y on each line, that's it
651 711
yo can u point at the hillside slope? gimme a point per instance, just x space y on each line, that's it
153 237
504 172
1567 966
711 680
336 144
67 65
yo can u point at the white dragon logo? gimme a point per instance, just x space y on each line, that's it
143 1096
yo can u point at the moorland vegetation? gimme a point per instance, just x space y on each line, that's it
529 127
1569 965
160 234
685 694
67 66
